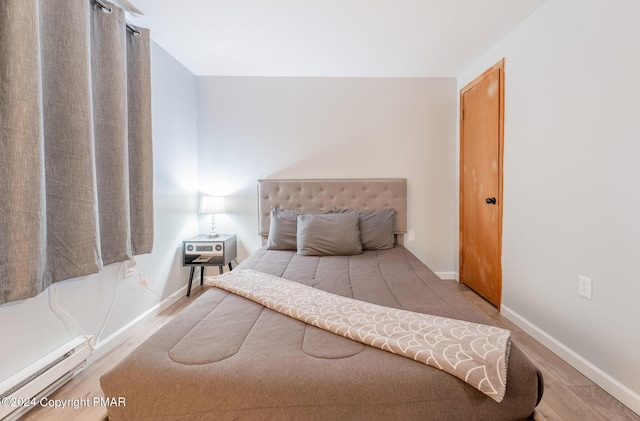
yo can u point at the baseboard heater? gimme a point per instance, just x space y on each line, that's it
42 378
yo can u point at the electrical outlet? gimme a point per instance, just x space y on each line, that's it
585 287
129 267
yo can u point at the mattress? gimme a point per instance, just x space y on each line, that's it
225 357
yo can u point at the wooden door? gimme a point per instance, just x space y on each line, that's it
481 144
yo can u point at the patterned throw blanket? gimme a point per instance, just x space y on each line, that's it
475 353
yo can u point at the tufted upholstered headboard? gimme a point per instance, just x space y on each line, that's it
326 194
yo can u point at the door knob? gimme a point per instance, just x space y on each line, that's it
490 200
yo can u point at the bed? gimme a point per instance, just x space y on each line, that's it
227 357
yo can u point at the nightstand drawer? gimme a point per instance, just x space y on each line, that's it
204 251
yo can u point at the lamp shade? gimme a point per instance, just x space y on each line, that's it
212 204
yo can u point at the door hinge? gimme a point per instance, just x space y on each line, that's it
461 115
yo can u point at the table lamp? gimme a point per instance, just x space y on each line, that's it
212 205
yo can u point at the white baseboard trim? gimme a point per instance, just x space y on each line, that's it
448 275
125 332
618 390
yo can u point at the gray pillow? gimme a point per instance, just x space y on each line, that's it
328 234
376 227
283 228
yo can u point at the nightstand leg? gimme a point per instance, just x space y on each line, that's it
230 268
190 280
201 274
220 269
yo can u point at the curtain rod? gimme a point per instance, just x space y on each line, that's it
107 9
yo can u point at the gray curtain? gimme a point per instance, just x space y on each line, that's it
76 166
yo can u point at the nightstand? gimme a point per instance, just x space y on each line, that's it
203 250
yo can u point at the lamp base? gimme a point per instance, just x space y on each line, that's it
212 235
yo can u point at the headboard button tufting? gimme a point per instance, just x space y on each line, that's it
323 194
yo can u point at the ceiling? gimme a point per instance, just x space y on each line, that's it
327 38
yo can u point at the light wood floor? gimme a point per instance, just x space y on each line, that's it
568 395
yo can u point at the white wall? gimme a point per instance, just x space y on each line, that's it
571 184
30 329
252 128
